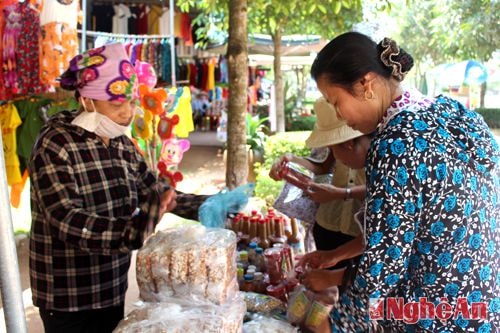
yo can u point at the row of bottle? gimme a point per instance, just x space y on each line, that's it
266 230
259 282
277 261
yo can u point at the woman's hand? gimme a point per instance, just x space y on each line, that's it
324 192
275 172
318 259
168 201
320 279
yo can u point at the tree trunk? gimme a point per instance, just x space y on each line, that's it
278 82
237 54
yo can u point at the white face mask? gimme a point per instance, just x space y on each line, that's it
99 124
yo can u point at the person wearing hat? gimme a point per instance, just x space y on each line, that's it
345 155
93 198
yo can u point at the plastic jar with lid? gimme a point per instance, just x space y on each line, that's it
244 259
278 291
273 265
260 263
251 252
258 282
247 283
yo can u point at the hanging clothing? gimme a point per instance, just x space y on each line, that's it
27 52
142 19
4 93
12 30
165 22
55 11
29 111
59 39
9 121
154 16
120 19
59 46
102 18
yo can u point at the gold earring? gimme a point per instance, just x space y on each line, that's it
369 95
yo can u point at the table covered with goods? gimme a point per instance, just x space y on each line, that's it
242 278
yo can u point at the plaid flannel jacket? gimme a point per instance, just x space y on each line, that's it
91 205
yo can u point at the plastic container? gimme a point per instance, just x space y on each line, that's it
274 265
260 262
247 283
298 305
251 252
278 291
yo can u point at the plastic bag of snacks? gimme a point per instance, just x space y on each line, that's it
263 304
310 309
191 261
263 324
181 316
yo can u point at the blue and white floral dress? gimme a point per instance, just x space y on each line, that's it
433 209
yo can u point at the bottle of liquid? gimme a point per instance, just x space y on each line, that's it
253 228
244 259
251 252
263 242
294 240
240 273
245 230
260 262
258 282
247 283
278 231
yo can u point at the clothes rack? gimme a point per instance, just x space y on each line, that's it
84 31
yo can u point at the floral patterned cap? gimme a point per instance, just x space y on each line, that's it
103 74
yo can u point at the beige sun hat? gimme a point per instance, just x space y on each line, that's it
329 130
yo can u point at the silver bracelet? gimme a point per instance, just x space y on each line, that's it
348 193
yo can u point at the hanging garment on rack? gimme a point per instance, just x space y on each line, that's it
132 20
142 19
9 121
59 39
165 22
13 26
102 18
55 11
5 94
154 16
120 19
29 111
27 53
59 46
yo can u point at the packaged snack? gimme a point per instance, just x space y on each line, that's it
264 324
181 316
263 304
298 305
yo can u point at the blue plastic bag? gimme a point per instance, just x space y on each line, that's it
213 212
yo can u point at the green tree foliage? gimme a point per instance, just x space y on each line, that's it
450 30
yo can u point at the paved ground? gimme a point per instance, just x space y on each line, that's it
204 173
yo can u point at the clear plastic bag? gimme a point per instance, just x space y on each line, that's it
213 212
181 316
263 304
264 324
192 261
293 203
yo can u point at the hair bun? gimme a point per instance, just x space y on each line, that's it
395 58
68 80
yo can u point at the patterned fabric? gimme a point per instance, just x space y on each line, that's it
13 27
432 218
91 205
92 71
27 53
59 46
